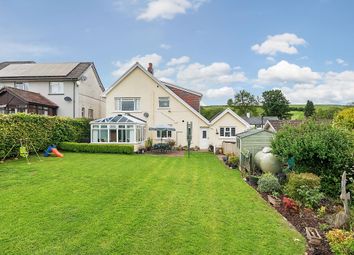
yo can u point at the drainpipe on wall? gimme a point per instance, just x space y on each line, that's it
74 99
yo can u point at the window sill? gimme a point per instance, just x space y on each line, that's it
227 137
55 94
164 108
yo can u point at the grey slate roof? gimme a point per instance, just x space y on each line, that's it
12 71
258 120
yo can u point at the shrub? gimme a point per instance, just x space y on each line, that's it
345 119
341 242
171 142
97 148
40 130
325 150
148 143
296 181
161 146
233 160
268 183
308 197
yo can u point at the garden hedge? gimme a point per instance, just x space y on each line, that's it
40 130
97 148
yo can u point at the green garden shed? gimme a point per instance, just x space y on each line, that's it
250 142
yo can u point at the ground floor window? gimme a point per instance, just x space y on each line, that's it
227 131
117 133
164 134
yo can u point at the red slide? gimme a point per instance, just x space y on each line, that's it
57 153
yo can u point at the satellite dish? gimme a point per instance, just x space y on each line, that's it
83 78
68 99
146 114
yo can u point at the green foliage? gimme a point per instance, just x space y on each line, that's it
341 242
40 130
97 148
296 181
318 148
327 113
308 197
245 102
210 112
345 119
275 104
161 146
233 160
148 143
309 109
268 183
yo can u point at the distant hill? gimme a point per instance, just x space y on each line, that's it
297 110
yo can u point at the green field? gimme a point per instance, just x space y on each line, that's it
211 110
136 204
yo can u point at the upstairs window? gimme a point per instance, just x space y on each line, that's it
127 104
22 85
164 102
227 131
56 88
90 113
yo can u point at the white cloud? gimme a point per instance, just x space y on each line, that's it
215 73
284 43
122 67
165 46
223 92
168 9
335 88
178 61
341 62
286 72
18 49
165 72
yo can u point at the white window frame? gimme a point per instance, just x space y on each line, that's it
166 134
119 102
164 99
83 112
59 91
226 132
135 137
22 85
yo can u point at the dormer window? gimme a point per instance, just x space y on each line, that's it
22 85
127 104
164 102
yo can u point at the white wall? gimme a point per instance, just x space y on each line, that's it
139 84
90 95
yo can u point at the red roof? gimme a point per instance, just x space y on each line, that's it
189 96
29 96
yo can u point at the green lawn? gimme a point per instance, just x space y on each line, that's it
134 204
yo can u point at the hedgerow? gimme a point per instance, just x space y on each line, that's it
97 148
40 130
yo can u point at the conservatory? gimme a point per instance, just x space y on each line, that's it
118 129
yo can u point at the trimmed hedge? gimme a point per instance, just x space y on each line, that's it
40 130
97 148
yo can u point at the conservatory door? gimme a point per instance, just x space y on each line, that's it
203 141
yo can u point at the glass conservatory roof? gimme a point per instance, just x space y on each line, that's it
120 119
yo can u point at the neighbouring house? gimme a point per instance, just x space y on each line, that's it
138 102
258 121
250 142
75 88
275 125
18 100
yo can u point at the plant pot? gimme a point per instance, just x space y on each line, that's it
274 201
224 159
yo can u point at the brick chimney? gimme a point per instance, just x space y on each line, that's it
151 69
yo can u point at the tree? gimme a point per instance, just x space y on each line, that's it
318 148
245 102
345 119
275 104
230 102
309 109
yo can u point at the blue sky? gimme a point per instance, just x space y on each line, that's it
216 47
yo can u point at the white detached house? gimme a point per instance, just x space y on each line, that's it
138 101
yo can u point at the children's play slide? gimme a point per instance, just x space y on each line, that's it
52 149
